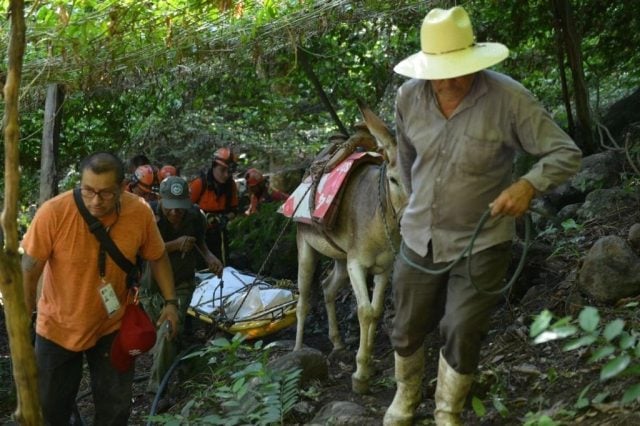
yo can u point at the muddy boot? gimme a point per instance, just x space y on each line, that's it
408 371
451 393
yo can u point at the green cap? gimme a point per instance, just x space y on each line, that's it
174 192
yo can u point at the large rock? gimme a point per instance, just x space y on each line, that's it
342 413
611 271
598 171
312 362
603 202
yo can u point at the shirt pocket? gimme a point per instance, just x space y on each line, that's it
480 156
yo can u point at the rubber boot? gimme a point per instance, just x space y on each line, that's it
408 372
451 393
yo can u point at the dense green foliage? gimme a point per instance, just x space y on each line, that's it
240 388
615 346
175 79
265 242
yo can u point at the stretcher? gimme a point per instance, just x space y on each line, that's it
238 303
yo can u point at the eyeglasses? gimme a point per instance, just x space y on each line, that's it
104 194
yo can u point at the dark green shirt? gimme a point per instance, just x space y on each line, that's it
184 267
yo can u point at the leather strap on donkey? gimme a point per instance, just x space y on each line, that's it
338 150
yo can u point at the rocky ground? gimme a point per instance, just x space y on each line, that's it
518 383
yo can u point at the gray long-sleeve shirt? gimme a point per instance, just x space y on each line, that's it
453 168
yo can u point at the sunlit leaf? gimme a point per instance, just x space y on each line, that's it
615 367
602 352
541 323
555 334
578 343
589 319
627 341
613 329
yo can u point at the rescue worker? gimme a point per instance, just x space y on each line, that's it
142 183
182 227
260 191
216 194
166 171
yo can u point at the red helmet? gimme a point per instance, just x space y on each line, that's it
166 171
225 157
143 176
253 177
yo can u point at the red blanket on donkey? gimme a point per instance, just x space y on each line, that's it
328 194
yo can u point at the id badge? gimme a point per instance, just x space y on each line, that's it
109 298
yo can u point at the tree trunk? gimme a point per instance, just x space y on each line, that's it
17 319
584 134
566 96
50 138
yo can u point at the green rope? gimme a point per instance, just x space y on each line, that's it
469 249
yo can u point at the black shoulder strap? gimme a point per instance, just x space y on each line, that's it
106 243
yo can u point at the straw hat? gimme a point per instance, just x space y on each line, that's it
448 48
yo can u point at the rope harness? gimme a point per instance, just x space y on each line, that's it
469 249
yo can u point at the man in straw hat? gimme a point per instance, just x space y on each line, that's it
459 127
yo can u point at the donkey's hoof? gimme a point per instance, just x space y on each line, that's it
359 386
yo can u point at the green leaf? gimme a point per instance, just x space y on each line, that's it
613 329
589 319
478 407
599 398
631 394
541 323
615 367
627 341
555 334
602 352
500 407
582 400
578 343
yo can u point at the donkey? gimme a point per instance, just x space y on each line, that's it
361 242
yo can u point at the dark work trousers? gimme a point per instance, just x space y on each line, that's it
423 300
59 375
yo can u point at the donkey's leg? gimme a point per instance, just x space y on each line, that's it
337 278
377 303
360 379
307 257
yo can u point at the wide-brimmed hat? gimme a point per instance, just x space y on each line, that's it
137 335
174 193
449 49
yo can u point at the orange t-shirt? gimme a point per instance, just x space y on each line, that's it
70 309
210 202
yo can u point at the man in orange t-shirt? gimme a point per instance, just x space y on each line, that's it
216 193
82 301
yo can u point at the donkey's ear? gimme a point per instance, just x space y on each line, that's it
378 128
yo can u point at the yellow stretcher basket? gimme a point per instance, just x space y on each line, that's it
221 305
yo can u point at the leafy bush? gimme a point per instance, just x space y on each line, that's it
266 236
237 388
613 346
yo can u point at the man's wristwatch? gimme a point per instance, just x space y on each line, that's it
173 302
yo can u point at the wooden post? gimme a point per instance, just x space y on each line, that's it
50 138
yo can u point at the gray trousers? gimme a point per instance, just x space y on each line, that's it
424 301
59 375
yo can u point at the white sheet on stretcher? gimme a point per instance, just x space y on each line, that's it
262 296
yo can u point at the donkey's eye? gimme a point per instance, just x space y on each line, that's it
393 180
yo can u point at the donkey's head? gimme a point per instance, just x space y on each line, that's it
387 144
